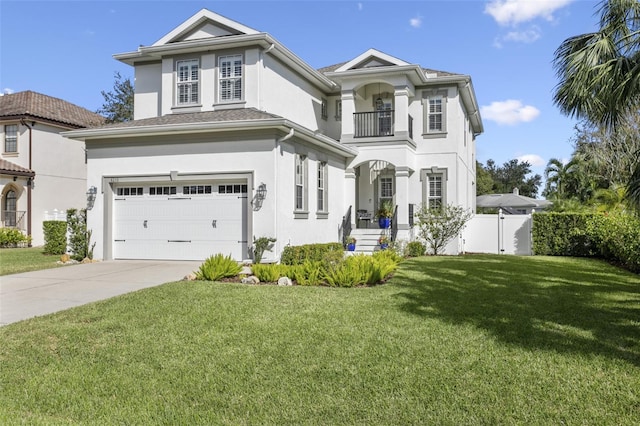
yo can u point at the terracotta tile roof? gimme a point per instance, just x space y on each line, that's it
239 114
38 106
8 168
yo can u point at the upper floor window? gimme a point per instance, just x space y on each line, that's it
188 77
324 112
230 78
11 138
435 112
338 110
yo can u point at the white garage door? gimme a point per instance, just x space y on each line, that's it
185 222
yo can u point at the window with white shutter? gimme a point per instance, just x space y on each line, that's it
230 76
187 78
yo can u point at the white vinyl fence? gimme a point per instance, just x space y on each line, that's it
498 234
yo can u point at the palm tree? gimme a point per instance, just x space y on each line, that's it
609 199
561 178
599 73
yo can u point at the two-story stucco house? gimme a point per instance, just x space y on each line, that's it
40 170
235 138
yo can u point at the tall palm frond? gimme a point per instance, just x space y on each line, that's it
599 73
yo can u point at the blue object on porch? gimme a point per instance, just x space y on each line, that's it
351 247
384 222
384 246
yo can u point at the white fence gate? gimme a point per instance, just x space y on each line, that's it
498 234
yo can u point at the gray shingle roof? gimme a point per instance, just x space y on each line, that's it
239 114
38 106
332 68
7 167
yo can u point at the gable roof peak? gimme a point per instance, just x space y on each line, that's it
204 24
372 58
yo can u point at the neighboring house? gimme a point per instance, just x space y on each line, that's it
512 203
235 138
39 169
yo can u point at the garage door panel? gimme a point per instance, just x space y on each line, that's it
180 228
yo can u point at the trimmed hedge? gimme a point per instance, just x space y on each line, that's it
12 237
618 238
562 234
296 255
55 236
613 237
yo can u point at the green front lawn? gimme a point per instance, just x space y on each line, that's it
16 260
449 340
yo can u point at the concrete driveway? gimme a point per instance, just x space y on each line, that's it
32 294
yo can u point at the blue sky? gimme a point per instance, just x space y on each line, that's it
64 49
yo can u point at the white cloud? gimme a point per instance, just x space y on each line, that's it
7 91
509 112
360 6
416 22
526 36
513 12
533 159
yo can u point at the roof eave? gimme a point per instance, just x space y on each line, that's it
17 173
414 71
263 40
212 127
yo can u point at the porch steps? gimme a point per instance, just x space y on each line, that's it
367 239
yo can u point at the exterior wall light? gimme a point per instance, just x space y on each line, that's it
261 191
91 196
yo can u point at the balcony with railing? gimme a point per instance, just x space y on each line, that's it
377 124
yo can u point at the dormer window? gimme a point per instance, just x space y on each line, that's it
230 78
188 77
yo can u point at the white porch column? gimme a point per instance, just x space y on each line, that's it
350 193
348 109
402 196
401 106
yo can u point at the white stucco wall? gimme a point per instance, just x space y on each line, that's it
148 90
257 155
287 94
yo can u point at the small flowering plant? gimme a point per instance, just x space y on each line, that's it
351 240
384 240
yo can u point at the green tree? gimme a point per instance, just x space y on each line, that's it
118 104
599 74
484 182
513 174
